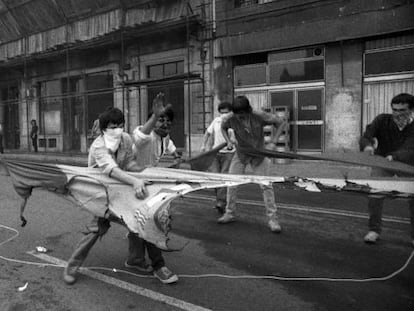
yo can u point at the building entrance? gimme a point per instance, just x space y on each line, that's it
305 107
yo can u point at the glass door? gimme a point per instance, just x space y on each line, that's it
304 108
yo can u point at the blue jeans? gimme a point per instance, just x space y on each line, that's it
262 169
375 207
221 164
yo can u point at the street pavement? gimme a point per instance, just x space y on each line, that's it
321 238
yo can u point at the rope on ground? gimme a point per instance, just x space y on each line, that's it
213 275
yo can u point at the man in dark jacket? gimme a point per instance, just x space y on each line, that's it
391 136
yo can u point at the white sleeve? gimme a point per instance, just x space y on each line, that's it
210 128
139 137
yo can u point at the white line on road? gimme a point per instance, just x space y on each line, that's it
303 208
125 285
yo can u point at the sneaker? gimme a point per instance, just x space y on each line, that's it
69 279
226 218
142 267
274 226
165 275
220 209
371 237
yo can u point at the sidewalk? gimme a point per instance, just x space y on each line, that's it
288 168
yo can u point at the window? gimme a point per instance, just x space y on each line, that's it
99 87
50 107
244 3
281 67
247 3
296 66
296 71
250 75
165 70
389 61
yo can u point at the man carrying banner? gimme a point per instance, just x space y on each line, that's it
222 160
391 136
151 142
112 153
248 129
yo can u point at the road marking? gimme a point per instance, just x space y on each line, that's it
125 285
399 220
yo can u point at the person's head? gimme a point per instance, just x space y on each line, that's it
224 107
241 105
164 122
402 106
33 122
111 118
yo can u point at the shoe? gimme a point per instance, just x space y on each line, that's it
69 279
165 275
220 209
226 218
274 226
142 267
371 237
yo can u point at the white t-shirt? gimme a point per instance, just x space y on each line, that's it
214 129
148 149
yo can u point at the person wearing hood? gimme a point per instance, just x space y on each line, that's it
390 136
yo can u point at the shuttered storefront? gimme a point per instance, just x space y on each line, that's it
388 71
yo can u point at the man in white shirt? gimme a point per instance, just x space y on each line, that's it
111 152
222 161
150 142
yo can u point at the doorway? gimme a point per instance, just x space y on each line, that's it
11 128
174 94
305 108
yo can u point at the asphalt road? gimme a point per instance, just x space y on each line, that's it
321 238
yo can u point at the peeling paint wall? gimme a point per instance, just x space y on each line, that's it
343 96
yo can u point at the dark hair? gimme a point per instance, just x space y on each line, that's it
404 98
111 115
241 104
168 112
225 105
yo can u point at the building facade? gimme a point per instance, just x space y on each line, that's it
329 66
66 65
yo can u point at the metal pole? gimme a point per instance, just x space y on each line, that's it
188 82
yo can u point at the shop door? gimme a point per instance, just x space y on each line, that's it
73 113
174 94
11 129
304 107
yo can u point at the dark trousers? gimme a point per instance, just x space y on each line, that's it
96 229
137 248
1 143
375 207
34 143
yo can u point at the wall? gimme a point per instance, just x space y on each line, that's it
343 95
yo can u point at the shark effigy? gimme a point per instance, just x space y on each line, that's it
95 192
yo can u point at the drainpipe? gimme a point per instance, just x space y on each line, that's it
203 55
25 88
187 22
